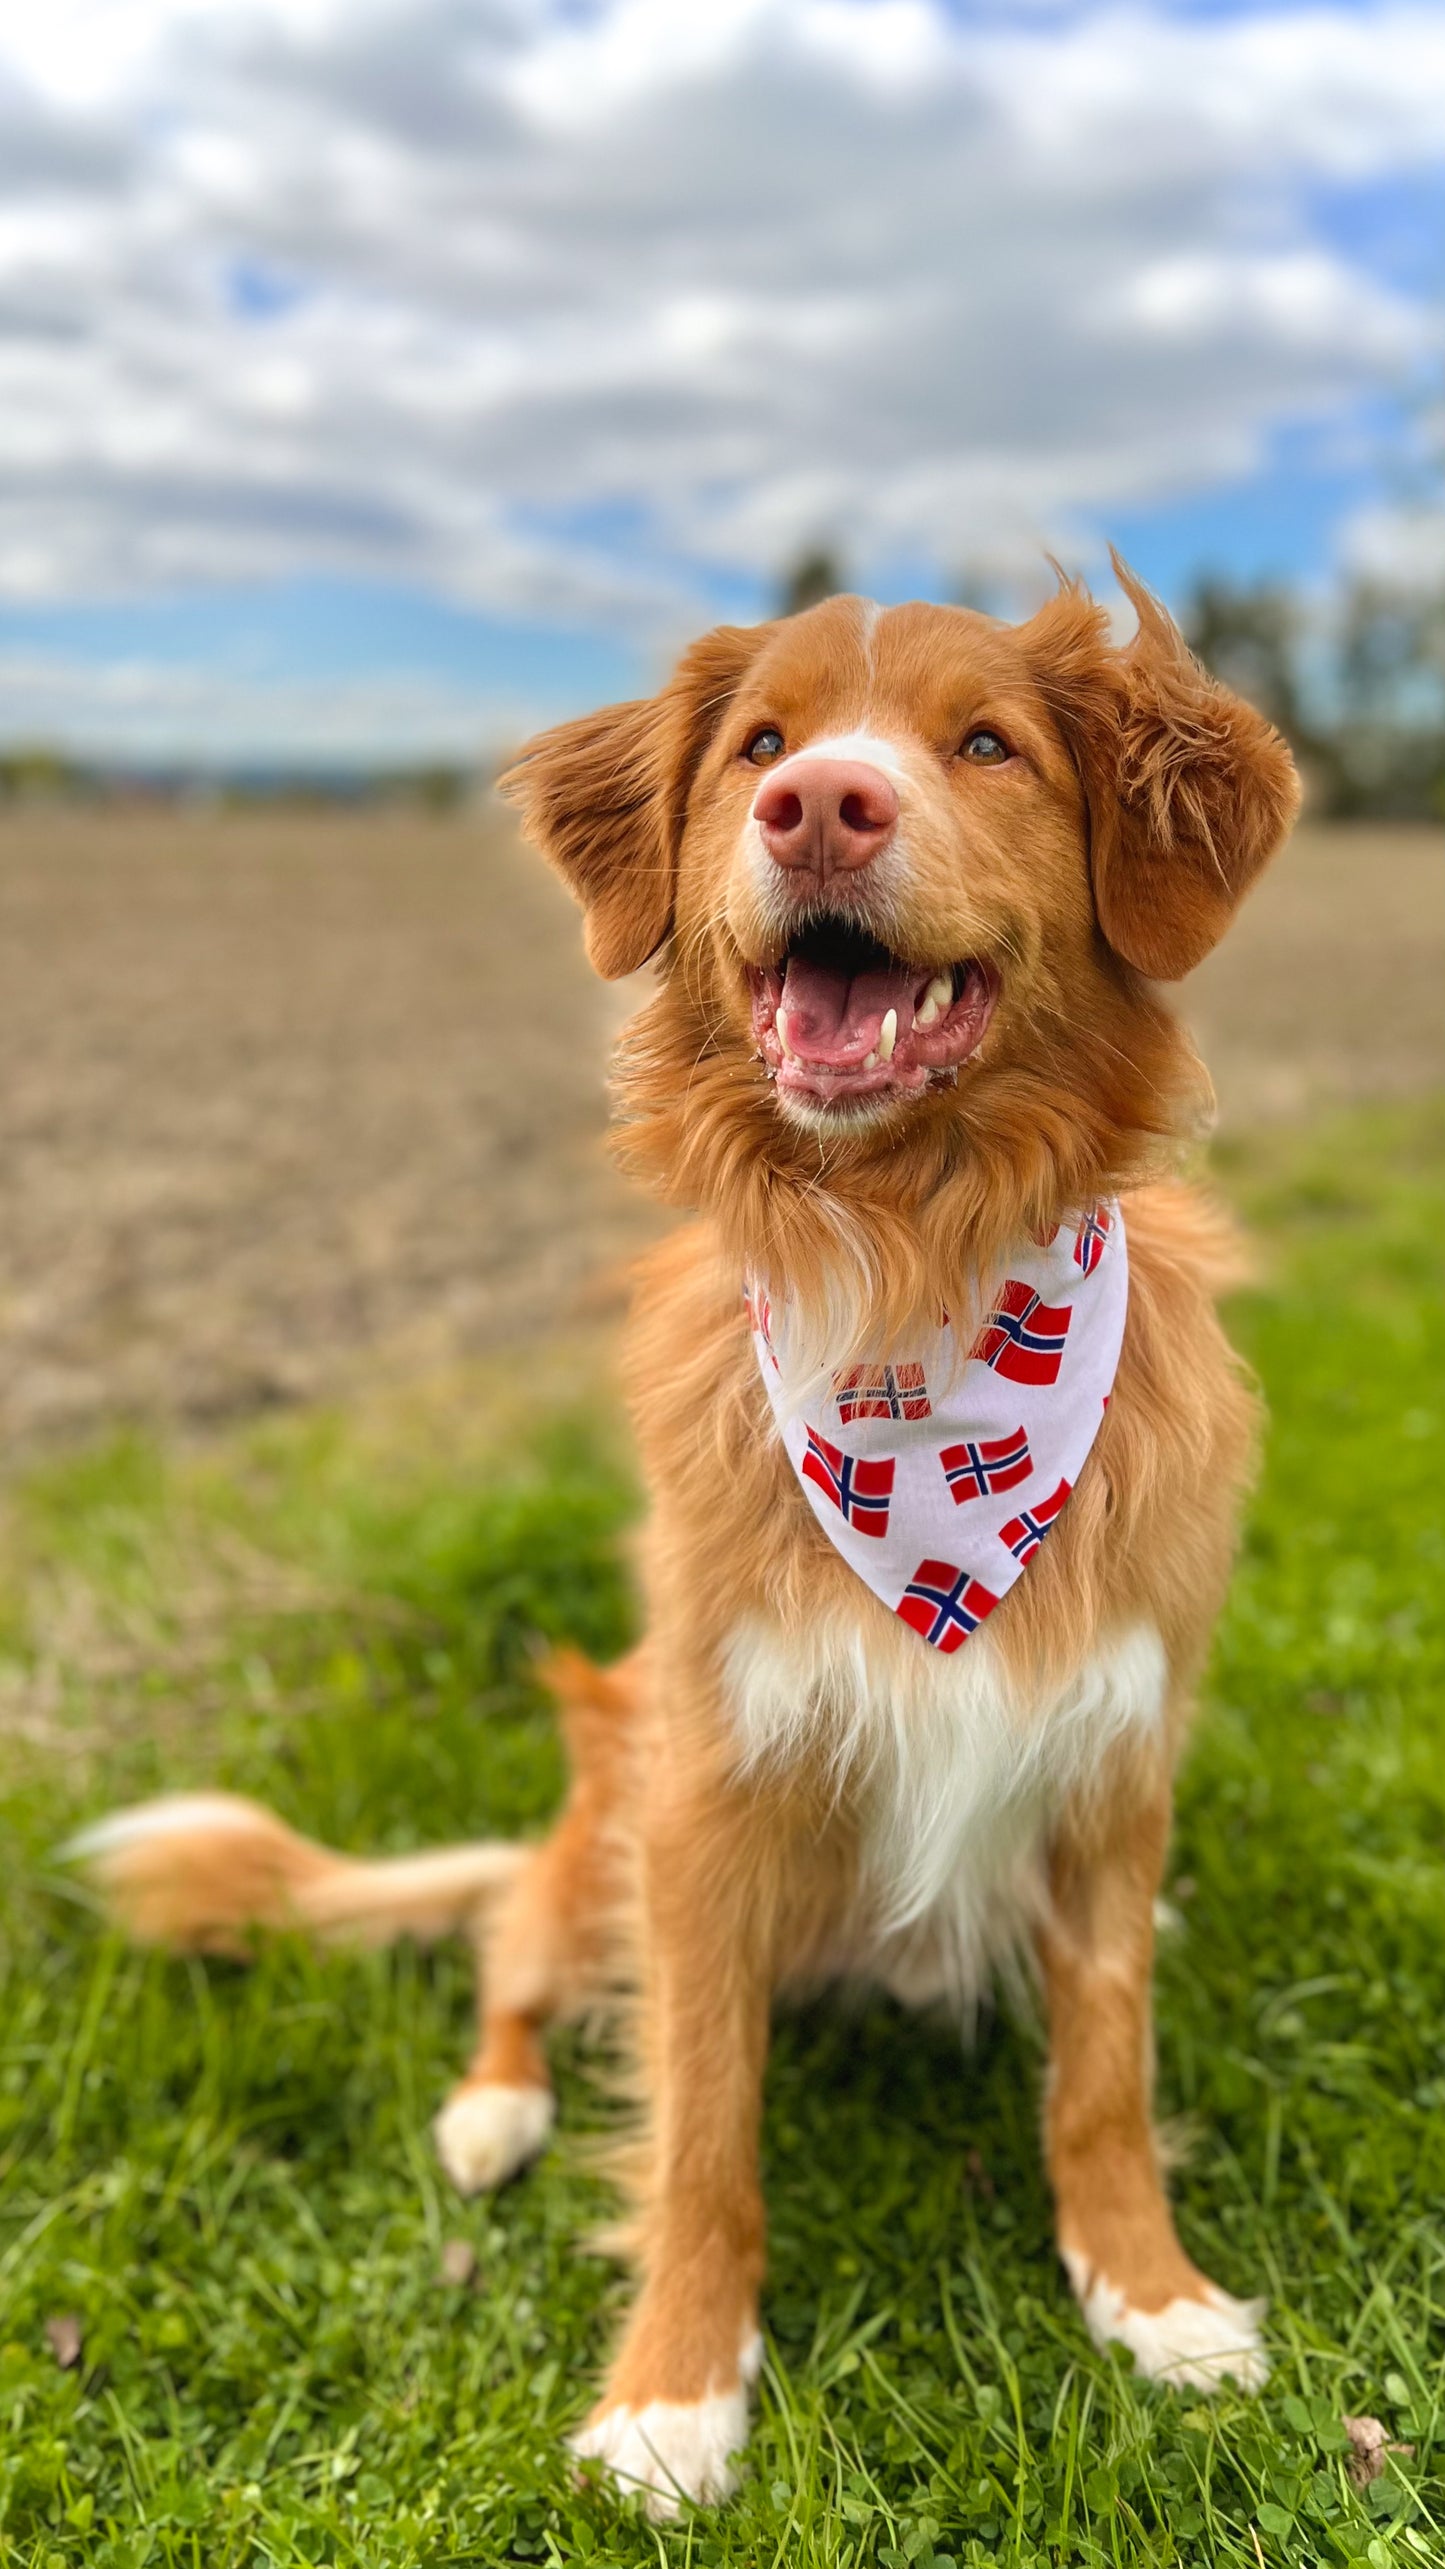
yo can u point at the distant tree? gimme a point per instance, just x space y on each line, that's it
1249 637
1359 693
438 787
32 771
817 574
1392 654
1252 638
1390 677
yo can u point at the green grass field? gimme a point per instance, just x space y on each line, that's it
225 2176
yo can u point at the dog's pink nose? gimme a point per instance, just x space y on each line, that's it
825 815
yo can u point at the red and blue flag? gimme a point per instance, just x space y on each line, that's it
1092 1233
1025 1532
1023 1338
760 1318
944 1604
981 1465
859 1490
882 1391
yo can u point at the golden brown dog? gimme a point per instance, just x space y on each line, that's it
910 876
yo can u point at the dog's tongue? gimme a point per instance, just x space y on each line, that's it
834 1017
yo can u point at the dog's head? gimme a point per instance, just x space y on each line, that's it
910 873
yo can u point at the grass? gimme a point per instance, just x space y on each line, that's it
224 2176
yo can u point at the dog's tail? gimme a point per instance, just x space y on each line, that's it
202 1871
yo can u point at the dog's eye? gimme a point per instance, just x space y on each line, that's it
765 746
985 749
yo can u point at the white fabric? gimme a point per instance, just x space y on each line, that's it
938 1476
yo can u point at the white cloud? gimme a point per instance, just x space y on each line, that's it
1403 547
565 313
156 713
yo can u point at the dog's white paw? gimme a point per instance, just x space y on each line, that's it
670 2450
484 2134
1191 2344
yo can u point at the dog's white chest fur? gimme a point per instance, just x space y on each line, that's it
955 1776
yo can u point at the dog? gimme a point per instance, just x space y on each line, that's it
944 1443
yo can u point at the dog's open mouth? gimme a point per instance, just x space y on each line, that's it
840 1017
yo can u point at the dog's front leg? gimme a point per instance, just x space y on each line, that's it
675 2405
1115 2229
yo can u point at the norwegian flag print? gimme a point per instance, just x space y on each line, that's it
859 1490
1089 1240
1022 1338
970 1434
944 1604
982 1465
882 1391
760 1316
1025 1532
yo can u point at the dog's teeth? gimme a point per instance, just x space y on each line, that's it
940 991
870 1060
887 1036
926 1015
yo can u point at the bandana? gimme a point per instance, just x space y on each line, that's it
938 1479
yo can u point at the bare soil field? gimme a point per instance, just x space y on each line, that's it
1330 988
284 1096
276 1091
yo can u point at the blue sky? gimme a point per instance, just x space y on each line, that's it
380 378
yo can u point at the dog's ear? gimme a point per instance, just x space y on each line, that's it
605 798
1189 790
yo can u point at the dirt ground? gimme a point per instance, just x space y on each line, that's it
275 1092
1331 985
285 1096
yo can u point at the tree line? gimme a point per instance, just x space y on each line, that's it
1357 686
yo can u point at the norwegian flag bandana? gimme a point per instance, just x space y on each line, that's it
937 1479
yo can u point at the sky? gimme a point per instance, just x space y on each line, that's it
380 377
